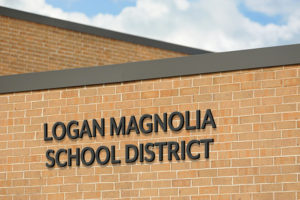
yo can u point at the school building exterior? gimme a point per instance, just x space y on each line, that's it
88 113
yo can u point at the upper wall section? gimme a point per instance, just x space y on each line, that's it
34 43
171 67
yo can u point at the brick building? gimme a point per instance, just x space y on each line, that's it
106 115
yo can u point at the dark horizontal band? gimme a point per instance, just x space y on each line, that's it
189 65
17 14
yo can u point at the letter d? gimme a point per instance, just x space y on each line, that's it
127 152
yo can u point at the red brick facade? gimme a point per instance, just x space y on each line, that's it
31 47
255 154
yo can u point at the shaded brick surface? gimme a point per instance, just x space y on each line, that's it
30 47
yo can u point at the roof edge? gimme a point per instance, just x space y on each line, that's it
40 19
171 67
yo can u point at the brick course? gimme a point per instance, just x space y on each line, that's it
256 153
30 47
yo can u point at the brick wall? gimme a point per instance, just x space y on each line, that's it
255 155
30 47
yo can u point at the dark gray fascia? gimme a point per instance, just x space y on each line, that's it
17 14
172 67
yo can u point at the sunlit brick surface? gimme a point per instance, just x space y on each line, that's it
256 153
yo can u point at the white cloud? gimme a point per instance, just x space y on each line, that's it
216 25
274 7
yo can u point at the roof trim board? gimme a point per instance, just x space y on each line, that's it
171 67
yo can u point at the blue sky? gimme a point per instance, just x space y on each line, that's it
216 25
259 16
114 7
92 7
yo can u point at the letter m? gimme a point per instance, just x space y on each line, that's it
115 128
